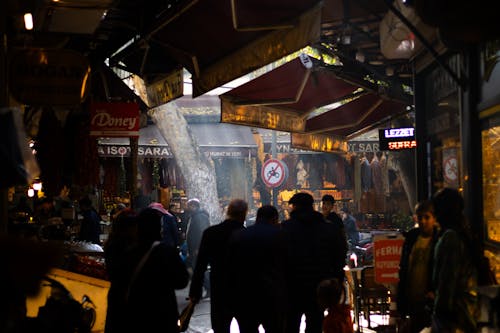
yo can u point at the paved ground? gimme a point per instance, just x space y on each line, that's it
200 321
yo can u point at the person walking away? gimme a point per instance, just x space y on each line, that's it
257 273
169 230
454 274
117 250
213 252
350 227
314 252
197 223
157 271
90 227
331 297
414 293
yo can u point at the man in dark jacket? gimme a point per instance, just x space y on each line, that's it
156 271
328 210
198 222
315 251
90 226
350 226
257 273
213 252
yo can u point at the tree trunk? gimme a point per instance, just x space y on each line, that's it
403 162
197 169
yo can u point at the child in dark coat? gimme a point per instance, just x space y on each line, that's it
331 297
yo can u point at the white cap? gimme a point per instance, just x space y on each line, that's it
194 200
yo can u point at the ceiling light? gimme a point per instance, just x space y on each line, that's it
28 21
389 71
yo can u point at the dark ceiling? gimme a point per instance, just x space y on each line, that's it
76 24
349 28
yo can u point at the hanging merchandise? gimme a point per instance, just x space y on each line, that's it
156 174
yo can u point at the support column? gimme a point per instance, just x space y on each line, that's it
470 128
4 101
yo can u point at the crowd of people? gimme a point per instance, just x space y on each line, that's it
276 271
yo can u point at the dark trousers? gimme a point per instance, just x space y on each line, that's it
307 307
250 319
221 315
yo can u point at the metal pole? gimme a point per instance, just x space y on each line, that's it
274 155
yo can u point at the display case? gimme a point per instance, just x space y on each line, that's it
491 179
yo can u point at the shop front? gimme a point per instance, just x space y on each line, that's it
230 147
362 180
458 134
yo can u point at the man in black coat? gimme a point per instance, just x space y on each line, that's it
198 222
213 252
257 273
315 251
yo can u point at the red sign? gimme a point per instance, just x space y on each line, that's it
114 119
387 249
273 172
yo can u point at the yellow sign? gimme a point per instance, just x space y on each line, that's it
166 89
49 77
319 142
261 116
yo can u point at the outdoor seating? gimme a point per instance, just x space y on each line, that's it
374 298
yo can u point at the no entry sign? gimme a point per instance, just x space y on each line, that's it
387 249
273 172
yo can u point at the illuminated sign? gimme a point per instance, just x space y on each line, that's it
114 119
319 142
166 89
261 116
397 138
399 132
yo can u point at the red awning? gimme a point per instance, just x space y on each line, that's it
284 99
220 42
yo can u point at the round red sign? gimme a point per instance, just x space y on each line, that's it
273 172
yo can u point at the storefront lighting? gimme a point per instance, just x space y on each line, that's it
37 186
31 193
28 21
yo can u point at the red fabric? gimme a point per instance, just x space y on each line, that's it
338 320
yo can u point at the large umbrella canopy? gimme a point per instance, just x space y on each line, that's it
289 97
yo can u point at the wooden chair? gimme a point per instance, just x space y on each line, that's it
374 297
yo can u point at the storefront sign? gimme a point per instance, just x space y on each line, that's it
363 146
49 77
274 172
450 167
114 119
261 116
143 151
228 152
397 138
319 142
387 250
166 89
